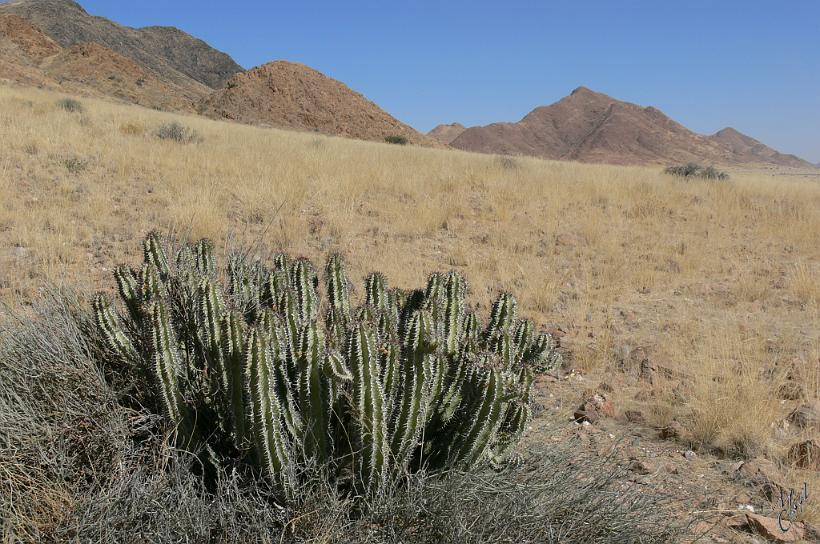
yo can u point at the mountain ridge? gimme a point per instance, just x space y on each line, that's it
292 95
29 56
446 133
590 126
59 45
170 53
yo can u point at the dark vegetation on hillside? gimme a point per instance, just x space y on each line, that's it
695 170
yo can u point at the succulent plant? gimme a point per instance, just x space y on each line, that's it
260 370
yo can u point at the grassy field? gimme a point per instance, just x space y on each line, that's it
717 284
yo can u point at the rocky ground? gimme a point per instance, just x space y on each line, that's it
722 500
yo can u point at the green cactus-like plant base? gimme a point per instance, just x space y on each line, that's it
263 371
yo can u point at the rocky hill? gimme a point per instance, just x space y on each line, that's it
107 73
447 133
746 149
291 95
57 44
31 57
172 55
589 126
22 47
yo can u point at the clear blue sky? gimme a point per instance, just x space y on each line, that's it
753 65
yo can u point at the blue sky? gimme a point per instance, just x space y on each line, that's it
753 65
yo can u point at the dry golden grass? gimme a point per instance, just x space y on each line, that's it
719 281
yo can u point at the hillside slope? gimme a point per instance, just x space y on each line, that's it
447 133
56 44
169 53
22 47
748 150
588 126
106 72
30 57
291 95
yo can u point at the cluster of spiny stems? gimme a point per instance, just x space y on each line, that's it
263 371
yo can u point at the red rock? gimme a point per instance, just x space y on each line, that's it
737 522
703 528
743 498
642 466
770 528
758 469
594 409
761 473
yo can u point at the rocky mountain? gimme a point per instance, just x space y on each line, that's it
447 133
22 47
93 66
589 126
291 95
28 56
57 44
169 53
746 149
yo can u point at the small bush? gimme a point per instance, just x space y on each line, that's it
70 105
61 429
505 162
398 140
178 132
132 129
75 165
695 170
548 499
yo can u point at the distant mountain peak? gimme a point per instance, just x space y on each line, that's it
446 133
587 93
582 90
728 130
590 126
58 4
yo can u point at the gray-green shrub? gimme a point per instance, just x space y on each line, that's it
178 132
397 139
693 169
79 466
